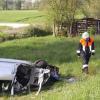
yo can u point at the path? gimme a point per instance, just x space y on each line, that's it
14 25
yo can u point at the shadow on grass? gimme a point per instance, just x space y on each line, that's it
24 19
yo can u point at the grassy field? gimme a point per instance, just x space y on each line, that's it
60 52
26 16
29 16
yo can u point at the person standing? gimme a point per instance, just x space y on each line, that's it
85 50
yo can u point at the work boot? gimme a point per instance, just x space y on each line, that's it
85 70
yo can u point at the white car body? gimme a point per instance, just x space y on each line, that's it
9 68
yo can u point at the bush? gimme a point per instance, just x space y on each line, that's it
3 36
92 30
38 31
24 33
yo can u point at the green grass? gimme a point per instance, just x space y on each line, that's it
26 16
60 52
29 16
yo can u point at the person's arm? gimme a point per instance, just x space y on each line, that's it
93 49
79 49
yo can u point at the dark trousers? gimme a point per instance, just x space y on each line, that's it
85 58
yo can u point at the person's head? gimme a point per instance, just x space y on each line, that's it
85 35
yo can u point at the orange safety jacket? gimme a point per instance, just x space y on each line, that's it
84 43
86 46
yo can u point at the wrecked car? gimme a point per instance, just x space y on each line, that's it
18 75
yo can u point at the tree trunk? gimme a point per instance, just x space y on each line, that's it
6 5
70 29
54 29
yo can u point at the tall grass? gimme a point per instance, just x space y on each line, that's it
60 52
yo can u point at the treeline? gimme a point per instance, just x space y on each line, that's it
64 12
18 4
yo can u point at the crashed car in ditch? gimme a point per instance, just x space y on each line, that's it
17 75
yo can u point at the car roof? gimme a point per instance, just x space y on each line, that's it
6 60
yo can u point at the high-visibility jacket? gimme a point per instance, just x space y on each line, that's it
86 45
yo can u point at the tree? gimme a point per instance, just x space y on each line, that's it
1 4
91 8
5 5
63 11
18 4
37 3
70 7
